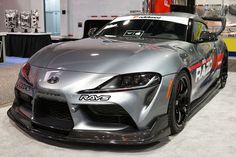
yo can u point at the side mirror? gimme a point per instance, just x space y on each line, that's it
92 31
207 36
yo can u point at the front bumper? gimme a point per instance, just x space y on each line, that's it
132 121
124 137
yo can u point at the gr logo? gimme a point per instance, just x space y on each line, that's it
94 97
50 74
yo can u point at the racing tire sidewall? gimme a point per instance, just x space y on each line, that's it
174 127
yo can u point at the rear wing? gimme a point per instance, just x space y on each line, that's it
222 20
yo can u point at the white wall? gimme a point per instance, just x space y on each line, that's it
21 5
64 18
52 5
80 10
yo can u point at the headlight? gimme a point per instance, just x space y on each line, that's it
131 81
25 71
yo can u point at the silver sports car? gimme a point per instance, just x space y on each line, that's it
134 81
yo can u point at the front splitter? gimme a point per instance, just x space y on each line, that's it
85 136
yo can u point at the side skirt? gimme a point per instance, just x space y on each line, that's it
198 104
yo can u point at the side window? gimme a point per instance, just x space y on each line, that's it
198 28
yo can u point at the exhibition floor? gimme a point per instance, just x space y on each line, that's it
8 77
211 132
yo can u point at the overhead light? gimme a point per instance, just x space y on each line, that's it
94 54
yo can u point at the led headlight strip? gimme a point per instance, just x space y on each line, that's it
128 82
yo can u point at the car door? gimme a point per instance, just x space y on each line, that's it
203 71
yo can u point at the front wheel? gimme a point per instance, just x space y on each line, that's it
179 102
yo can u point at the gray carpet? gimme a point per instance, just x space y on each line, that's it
232 65
8 77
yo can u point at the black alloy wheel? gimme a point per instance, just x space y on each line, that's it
179 102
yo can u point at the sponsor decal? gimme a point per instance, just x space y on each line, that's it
218 60
94 97
133 33
48 94
149 17
175 19
202 68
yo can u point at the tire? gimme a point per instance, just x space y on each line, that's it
232 9
179 102
224 71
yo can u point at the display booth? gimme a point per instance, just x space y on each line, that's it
26 44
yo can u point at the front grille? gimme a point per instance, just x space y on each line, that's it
108 114
52 114
108 110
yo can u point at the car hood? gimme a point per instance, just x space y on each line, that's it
106 56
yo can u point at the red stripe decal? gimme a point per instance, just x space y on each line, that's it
195 66
199 64
214 63
219 59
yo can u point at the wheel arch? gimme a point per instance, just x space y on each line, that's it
185 69
189 75
190 79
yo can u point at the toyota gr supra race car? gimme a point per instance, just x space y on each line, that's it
134 81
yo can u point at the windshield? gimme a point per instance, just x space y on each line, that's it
144 28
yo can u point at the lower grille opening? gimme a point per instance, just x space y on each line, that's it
52 114
24 100
49 130
108 114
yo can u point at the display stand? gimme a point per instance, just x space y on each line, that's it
2 47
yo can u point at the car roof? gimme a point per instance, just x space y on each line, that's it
179 14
